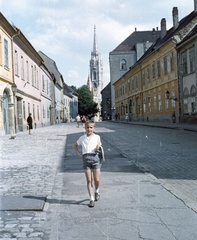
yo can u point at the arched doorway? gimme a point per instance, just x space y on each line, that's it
137 107
130 109
6 117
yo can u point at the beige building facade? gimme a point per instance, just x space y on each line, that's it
126 54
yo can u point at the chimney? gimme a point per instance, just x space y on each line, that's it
195 5
175 17
163 27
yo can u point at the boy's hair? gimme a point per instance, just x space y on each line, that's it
89 121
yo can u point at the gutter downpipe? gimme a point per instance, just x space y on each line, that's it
14 84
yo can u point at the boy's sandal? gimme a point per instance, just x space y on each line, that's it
97 196
91 203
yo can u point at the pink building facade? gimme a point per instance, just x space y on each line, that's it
27 79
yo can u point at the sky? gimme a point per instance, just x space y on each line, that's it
64 29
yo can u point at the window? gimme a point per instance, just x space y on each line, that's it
173 99
123 65
16 62
149 104
192 59
22 68
133 83
43 112
129 85
32 75
35 79
27 70
33 111
6 63
193 106
43 83
159 102
48 112
136 81
153 71
148 75
94 75
28 108
37 82
165 65
193 91
47 86
143 78
144 104
158 69
167 103
24 112
185 92
130 106
171 62
155 103
185 102
50 92
184 62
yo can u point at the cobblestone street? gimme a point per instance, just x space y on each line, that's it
148 187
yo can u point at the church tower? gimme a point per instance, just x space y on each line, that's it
95 79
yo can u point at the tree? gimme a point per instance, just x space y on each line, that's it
74 88
86 104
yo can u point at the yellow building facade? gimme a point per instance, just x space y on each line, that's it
151 89
6 78
143 92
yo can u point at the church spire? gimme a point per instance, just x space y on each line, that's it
94 43
95 79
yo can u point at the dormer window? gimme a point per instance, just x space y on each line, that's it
123 65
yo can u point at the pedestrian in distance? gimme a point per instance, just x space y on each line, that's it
78 119
30 123
127 117
83 119
91 144
116 116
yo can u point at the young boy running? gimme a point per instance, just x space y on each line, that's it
90 143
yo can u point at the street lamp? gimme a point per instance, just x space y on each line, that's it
169 98
14 88
175 99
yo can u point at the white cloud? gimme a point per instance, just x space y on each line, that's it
64 30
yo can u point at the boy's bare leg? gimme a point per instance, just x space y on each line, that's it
88 175
96 175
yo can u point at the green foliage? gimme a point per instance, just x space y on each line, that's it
86 104
74 88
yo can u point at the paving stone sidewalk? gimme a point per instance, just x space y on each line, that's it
28 168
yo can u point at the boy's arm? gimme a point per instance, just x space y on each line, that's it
99 144
75 146
98 147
